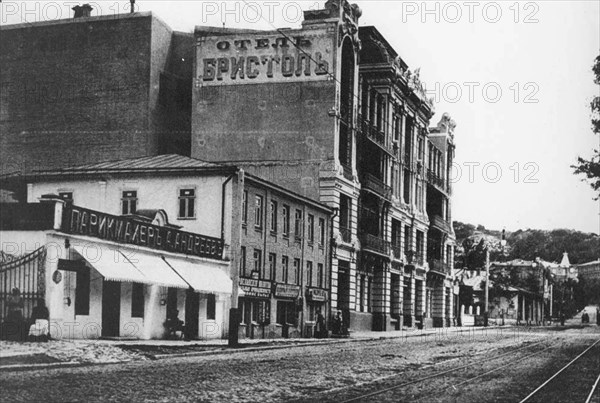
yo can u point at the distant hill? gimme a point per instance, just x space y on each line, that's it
528 244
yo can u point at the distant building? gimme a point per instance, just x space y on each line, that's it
588 271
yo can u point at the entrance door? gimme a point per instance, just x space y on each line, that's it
192 310
343 297
111 308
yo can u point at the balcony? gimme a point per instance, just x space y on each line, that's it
346 234
375 185
439 266
436 181
439 223
375 243
375 135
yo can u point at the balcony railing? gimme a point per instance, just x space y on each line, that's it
375 243
436 181
439 266
377 186
441 224
346 234
375 135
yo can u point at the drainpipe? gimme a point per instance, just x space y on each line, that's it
223 205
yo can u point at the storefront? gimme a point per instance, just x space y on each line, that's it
255 306
289 308
115 276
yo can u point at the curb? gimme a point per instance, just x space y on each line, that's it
54 365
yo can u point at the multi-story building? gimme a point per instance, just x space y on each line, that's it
296 107
280 273
589 270
92 89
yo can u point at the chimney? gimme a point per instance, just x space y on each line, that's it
82 11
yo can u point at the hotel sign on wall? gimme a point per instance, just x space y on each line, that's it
81 221
260 58
255 288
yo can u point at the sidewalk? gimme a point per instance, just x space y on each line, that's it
58 353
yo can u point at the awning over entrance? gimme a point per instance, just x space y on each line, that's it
202 276
114 265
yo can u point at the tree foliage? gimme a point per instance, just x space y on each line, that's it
590 168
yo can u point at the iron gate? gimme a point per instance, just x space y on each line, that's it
26 273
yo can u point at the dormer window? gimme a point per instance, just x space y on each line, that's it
129 202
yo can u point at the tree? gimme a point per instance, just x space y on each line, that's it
591 168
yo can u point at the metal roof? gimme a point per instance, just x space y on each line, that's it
169 162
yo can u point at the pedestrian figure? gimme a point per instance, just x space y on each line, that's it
320 330
585 318
598 316
39 329
12 328
338 324
562 319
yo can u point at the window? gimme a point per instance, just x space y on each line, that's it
129 202
420 243
257 260
245 207
270 273
309 273
320 282
211 307
82 292
273 216
311 228
286 220
284 269
137 300
258 212
296 273
407 239
187 202
66 196
243 261
321 231
298 224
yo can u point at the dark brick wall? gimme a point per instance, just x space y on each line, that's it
82 91
266 122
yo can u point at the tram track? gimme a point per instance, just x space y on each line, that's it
341 393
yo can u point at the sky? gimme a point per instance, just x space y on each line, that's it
515 76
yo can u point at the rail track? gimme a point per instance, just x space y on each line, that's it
474 365
382 389
555 376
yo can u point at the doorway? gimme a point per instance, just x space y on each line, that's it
192 310
111 308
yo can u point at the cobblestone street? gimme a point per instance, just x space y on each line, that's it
310 373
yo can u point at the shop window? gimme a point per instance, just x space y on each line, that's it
320 282
137 300
298 225
243 261
257 260
286 220
286 313
311 228
211 307
309 273
321 232
187 203
273 218
245 207
270 273
258 212
129 202
82 292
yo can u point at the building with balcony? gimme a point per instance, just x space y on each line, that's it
330 111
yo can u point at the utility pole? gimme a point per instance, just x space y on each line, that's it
487 285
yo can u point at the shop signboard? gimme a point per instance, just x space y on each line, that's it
255 288
317 295
287 290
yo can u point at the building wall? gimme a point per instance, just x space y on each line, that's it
153 193
88 90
